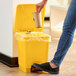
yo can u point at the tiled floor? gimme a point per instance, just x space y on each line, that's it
68 67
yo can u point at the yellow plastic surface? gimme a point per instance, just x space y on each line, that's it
32 48
24 18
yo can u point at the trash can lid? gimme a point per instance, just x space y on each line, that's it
24 18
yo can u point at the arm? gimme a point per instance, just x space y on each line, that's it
40 5
45 1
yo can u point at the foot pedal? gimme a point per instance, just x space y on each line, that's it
35 70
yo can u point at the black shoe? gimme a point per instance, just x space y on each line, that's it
45 67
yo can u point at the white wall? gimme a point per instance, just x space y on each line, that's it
6 27
61 3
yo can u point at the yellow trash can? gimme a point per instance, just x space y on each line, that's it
32 46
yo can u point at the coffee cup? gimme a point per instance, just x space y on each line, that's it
37 19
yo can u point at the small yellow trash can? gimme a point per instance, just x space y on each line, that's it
33 46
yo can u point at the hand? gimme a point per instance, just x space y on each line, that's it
40 5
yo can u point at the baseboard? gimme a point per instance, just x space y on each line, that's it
47 19
11 62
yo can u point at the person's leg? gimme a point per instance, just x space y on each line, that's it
67 34
64 42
